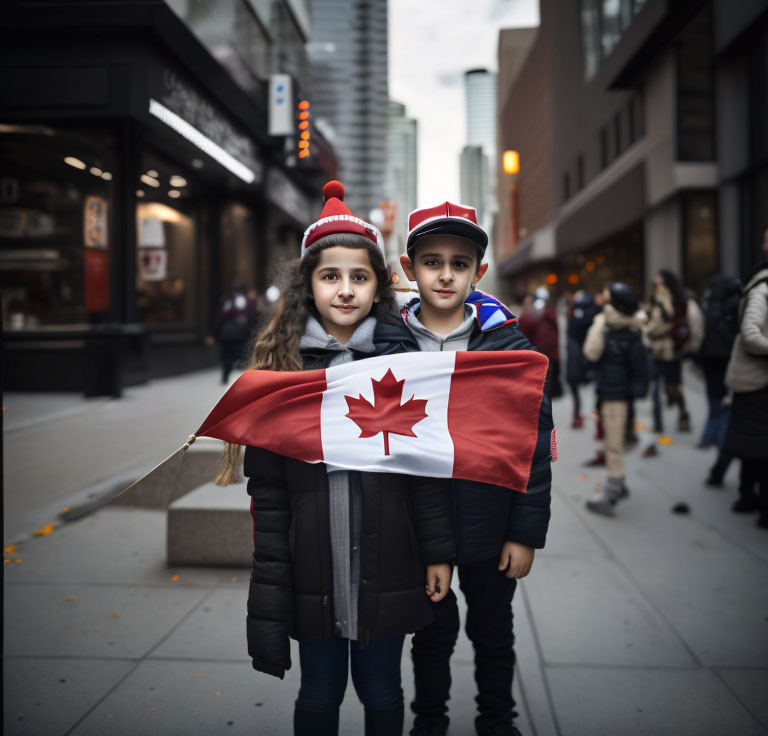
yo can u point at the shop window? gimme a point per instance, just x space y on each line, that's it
165 274
700 233
695 91
604 153
56 225
167 269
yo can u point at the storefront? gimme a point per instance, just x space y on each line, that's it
131 196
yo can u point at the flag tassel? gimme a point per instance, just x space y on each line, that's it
182 451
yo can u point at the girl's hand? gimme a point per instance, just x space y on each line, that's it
438 581
517 559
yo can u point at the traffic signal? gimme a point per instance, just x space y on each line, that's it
303 131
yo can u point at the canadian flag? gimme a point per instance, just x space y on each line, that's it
471 415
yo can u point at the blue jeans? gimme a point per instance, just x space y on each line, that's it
375 674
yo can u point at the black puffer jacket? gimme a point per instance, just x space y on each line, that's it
485 516
615 342
406 524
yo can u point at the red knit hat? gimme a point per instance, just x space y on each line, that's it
336 218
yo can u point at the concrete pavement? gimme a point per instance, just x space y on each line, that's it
647 623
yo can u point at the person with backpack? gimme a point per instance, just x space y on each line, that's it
747 377
721 325
673 330
615 343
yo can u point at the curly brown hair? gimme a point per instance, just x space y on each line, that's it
276 347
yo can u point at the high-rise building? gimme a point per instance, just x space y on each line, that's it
478 158
401 180
480 93
349 92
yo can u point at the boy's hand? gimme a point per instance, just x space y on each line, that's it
517 559
438 581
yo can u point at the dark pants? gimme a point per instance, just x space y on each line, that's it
375 675
574 386
670 373
753 482
488 593
231 354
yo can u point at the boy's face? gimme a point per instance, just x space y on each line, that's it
443 268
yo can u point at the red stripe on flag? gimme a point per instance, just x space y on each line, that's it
488 389
276 410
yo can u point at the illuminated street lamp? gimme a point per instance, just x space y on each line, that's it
511 163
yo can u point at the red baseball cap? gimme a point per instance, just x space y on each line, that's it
446 219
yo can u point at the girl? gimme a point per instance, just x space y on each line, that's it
339 559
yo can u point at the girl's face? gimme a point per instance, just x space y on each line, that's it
344 289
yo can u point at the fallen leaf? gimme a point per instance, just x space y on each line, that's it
44 531
597 486
199 674
218 692
109 715
64 511
639 426
113 617
233 580
9 548
71 598
583 477
175 577
153 708
664 440
17 560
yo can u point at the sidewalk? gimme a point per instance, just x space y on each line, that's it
648 623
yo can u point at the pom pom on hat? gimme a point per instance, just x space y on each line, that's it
336 218
333 189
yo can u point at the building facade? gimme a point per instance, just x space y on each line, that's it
649 150
349 92
402 175
138 182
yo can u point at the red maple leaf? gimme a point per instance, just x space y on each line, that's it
386 414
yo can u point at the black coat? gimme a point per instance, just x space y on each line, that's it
579 322
406 524
623 371
485 516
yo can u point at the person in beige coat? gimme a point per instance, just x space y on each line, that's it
747 377
675 328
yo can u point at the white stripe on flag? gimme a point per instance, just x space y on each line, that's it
427 376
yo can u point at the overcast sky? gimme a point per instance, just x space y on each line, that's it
431 44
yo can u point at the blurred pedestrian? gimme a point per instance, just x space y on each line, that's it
615 343
674 329
721 325
235 320
583 311
747 377
538 323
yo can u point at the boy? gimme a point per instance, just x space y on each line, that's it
497 530
615 343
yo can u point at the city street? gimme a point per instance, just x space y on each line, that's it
648 623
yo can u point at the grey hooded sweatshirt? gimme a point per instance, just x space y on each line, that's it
344 490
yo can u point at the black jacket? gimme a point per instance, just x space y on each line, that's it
406 524
485 516
615 343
